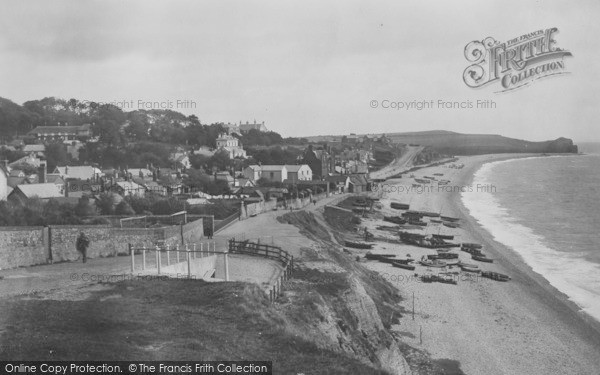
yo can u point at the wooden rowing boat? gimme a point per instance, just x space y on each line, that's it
495 276
449 218
482 258
403 265
372 256
450 224
399 206
358 245
394 219
471 245
433 263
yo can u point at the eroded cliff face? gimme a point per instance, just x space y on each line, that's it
342 307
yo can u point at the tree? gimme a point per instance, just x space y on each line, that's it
85 207
106 204
56 154
124 209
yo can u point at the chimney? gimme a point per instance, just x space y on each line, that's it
42 173
66 171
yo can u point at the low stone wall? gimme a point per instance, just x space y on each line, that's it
27 246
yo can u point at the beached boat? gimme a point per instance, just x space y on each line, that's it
438 279
405 261
422 180
433 263
495 276
399 206
358 245
386 260
450 224
388 228
429 214
438 174
443 256
482 258
471 245
403 265
449 218
469 269
417 222
435 221
394 219
443 236
371 256
471 265
471 251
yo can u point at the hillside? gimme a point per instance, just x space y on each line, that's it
451 143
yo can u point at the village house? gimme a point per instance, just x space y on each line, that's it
3 183
81 172
319 161
231 145
45 192
358 183
299 172
341 183
64 133
37 149
125 188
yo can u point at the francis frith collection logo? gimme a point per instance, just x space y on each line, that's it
515 63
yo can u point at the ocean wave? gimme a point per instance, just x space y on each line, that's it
570 273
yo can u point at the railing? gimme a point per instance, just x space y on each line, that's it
220 224
271 252
174 255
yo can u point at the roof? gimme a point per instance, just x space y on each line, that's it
295 168
34 148
358 179
14 181
29 159
129 185
254 166
54 178
44 191
272 167
82 172
59 129
337 178
136 171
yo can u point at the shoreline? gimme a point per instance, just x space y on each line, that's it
489 327
511 259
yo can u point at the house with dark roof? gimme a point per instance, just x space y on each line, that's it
65 133
339 182
358 183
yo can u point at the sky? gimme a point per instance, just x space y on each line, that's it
304 68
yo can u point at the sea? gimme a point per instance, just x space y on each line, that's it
547 209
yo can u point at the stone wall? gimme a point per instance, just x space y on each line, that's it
26 246
22 246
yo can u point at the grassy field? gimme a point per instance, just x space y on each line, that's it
163 320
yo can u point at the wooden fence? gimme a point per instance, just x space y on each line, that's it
271 252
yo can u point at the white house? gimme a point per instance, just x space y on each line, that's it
231 145
300 172
252 172
81 172
3 183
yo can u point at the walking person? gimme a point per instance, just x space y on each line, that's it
82 244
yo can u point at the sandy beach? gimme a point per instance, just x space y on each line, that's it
524 326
